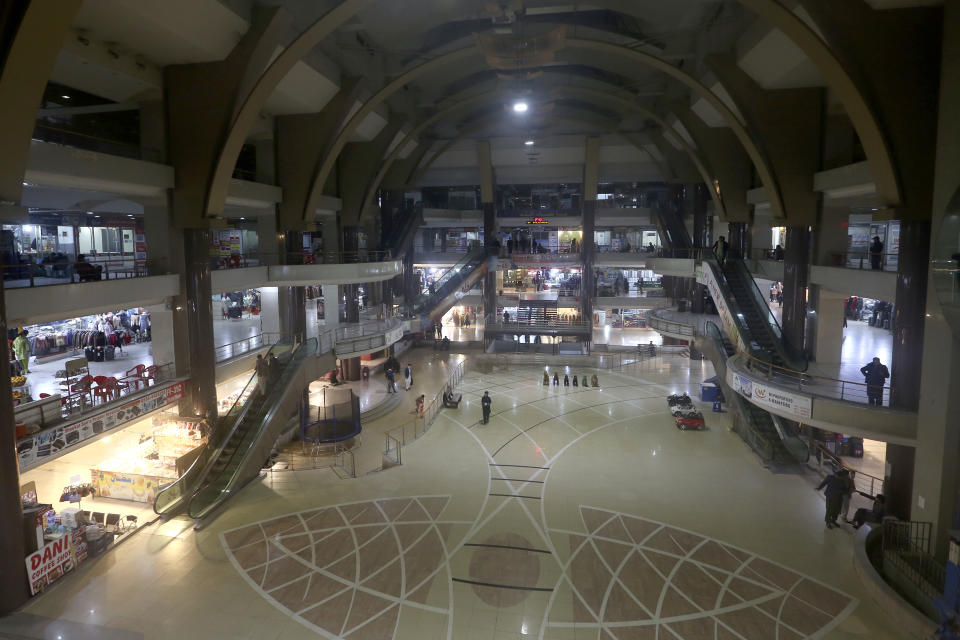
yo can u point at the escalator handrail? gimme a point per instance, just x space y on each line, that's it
734 305
463 268
759 303
197 472
299 354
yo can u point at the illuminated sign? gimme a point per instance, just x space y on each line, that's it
538 221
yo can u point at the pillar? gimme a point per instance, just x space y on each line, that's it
270 310
292 307
267 240
907 359
795 274
351 366
588 248
13 577
828 332
761 230
489 210
203 366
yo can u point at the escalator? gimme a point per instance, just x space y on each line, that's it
673 233
244 436
764 432
460 277
400 238
758 326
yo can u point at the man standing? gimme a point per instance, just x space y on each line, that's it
485 403
391 382
836 487
408 376
21 351
720 250
876 254
876 375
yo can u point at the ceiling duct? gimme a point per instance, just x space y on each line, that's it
513 52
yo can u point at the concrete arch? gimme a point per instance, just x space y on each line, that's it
862 115
759 159
248 111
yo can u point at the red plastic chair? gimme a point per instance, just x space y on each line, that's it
148 374
135 377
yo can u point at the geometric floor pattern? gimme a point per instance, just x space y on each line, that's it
632 579
344 571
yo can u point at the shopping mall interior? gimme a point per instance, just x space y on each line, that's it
473 319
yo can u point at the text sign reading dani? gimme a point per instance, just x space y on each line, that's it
538 221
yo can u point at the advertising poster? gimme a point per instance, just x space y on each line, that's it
37 448
126 486
726 318
49 563
766 396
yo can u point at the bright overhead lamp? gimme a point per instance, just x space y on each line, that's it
529 143
65 97
520 107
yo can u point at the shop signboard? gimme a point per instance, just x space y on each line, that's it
38 448
126 486
726 318
140 248
49 563
767 396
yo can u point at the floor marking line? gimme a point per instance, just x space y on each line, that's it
519 480
513 495
506 546
501 586
523 466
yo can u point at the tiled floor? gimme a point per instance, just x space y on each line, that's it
575 513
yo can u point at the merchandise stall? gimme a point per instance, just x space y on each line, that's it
229 391
138 471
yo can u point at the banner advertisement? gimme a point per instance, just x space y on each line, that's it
49 563
127 486
726 318
38 448
766 396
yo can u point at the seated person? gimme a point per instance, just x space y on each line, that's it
445 344
85 271
451 401
874 515
595 381
575 383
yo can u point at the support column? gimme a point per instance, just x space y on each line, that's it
588 248
795 270
13 575
292 304
739 238
351 366
907 358
203 366
488 206
828 330
761 236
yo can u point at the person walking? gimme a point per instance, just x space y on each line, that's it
556 380
835 486
566 380
845 503
408 376
876 254
876 375
720 248
485 403
21 352
391 382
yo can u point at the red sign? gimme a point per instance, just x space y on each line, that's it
538 221
49 563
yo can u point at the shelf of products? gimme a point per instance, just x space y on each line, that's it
137 472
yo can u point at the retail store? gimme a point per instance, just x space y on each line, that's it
111 342
51 243
627 239
612 282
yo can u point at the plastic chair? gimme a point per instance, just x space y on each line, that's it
104 391
98 517
135 375
150 373
112 523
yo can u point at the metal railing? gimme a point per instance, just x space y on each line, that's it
16 276
520 327
862 481
395 439
907 547
669 326
79 399
866 260
246 345
363 329
812 384
256 258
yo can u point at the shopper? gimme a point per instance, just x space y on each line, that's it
874 515
876 254
652 349
780 299
566 380
720 248
876 375
594 381
408 376
506 317
778 254
485 404
419 407
556 380
145 326
21 351
575 383
835 486
546 379
850 490
391 382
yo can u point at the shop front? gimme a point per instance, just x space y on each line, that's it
112 342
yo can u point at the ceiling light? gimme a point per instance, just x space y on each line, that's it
65 97
520 107
529 143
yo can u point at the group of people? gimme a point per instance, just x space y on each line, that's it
594 380
838 488
776 292
465 319
392 378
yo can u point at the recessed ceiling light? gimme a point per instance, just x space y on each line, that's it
520 107
529 143
65 97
